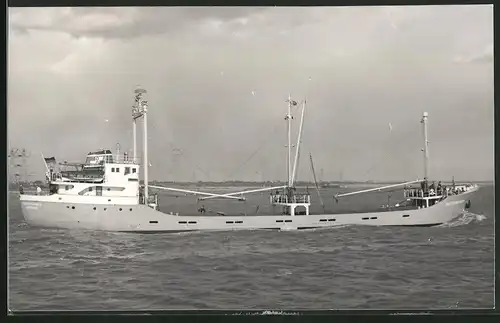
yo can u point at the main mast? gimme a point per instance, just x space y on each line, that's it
426 146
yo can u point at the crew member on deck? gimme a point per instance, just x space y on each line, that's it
38 190
425 187
439 188
432 189
21 189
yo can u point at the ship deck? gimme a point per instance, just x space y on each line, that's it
330 212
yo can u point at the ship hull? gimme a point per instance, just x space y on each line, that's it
40 211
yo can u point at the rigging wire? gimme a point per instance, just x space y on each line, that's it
262 145
238 168
396 143
182 153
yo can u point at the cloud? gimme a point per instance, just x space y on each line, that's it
115 22
482 56
72 68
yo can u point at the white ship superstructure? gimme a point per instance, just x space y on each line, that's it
104 193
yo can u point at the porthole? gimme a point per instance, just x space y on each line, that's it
73 207
120 209
109 200
131 209
94 208
67 206
105 209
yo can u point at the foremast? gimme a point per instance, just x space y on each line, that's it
140 109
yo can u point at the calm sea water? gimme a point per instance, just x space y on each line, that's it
351 267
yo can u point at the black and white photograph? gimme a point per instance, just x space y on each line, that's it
271 159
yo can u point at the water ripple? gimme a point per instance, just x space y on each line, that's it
448 266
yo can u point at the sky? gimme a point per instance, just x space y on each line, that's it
218 78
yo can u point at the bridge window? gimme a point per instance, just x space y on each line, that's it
127 170
112 169
117 170
90 189
133 170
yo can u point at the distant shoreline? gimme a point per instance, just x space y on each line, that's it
250 184
332 183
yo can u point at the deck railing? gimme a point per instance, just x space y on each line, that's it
285 199
115 160
416 192
77 178
125 160
153 198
